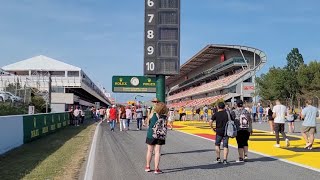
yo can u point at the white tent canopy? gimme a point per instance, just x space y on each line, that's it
40 63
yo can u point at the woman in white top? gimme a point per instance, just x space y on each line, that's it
171 118
107 114
128 116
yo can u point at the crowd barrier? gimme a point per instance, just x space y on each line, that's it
20 129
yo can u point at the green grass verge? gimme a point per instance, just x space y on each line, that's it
57 156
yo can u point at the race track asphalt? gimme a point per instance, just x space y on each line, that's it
121 155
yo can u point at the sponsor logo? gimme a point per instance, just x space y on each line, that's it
248 88
120 83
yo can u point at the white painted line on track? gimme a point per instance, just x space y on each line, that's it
283 160
90 164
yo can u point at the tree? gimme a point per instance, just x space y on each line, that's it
39 104
308 77
271 86
294 60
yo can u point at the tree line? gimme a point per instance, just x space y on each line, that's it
295 81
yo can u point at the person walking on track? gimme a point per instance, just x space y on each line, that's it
171 118
270 119
113 117
139 116
244 125
221 117
128 116
156 136
309 115
279 114
123 118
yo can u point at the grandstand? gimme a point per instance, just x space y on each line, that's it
216 72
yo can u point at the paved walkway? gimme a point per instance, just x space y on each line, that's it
262 142
121 155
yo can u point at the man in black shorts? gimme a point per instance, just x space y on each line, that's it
221 118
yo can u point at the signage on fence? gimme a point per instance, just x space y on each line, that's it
36 126
133 84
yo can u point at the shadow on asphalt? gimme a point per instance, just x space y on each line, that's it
294 149
261 159
288 156
207 166
217 165
273 139
186 152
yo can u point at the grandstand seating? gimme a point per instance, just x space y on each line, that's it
208 87
197 102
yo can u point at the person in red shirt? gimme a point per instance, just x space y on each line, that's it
113 117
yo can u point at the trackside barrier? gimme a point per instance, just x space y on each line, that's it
36 126
11 132
20 129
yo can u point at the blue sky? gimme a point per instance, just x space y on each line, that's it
105 37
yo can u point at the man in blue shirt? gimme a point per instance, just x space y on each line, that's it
309 115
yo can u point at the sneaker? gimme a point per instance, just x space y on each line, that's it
310 147
225 162
138 129
287 142
245 156
307 145
157 171
240 160
218 160
147 169
277 145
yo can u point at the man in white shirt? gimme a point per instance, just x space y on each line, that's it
279 114
76 114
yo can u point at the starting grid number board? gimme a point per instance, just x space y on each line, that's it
162 37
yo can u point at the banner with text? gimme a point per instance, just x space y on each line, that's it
133 84
36 126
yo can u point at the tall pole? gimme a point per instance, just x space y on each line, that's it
160 88
49 93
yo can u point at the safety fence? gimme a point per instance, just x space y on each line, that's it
20 129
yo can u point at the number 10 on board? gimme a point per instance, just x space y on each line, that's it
150 37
